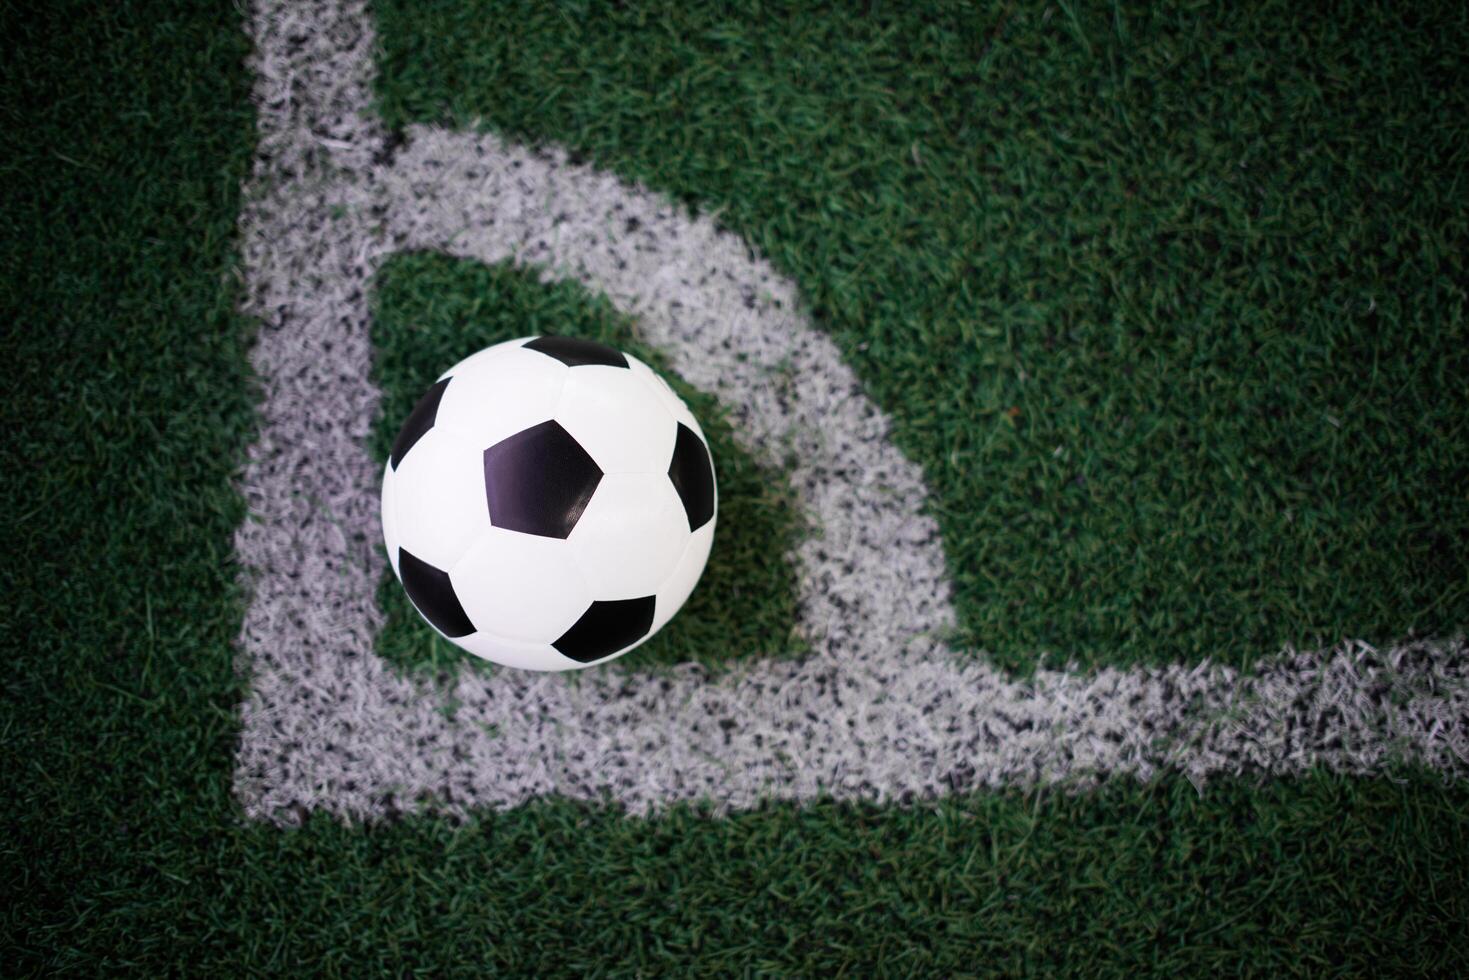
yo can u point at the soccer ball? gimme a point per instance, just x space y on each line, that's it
549 504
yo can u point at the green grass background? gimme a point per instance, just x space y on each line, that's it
1167 299
127 132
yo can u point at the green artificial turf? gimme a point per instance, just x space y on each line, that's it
1318 876
127 132
1167 300
432 310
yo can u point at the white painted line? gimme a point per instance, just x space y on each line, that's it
879 710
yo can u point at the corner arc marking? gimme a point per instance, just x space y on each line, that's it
325 720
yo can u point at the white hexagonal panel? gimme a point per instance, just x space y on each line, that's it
680 584
630 536
618 418
501 393
390 516
440 491
483 355
521 587
667 397
515 653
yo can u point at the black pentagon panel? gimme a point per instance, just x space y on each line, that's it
606 627
420 420
539 481
574 352
692 474
433 594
